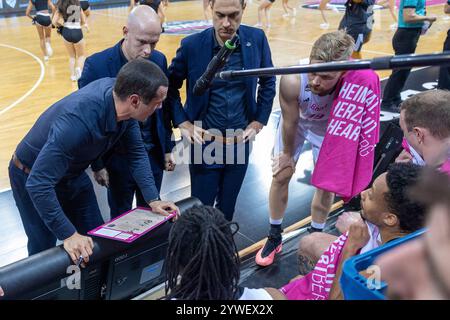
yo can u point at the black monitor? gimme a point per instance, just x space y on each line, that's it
116 270
139 269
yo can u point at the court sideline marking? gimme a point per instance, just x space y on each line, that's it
38 82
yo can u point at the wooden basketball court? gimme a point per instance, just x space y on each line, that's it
28 85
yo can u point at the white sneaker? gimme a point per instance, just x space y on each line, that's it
45 58
258 25
324 26
49 49
73 77
393 26
77 73
286 15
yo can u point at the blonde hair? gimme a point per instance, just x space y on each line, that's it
332 46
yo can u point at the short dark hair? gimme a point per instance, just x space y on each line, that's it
141 77
410 213
430 110
241 1
203 252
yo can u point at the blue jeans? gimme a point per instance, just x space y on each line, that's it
76 197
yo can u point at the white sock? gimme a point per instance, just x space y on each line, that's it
78 72
318 225
48 47
276 221
72 67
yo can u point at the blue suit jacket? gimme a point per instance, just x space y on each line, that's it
107 64
191 60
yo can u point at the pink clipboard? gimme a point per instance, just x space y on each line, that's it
131 225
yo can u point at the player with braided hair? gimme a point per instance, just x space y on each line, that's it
203 252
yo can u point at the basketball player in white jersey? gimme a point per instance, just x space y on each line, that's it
306 102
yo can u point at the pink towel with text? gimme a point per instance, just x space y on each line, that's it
345 162
317 284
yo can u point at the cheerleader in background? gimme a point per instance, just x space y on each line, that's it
70 17
155 5
43 23
87 12
324 5
264 7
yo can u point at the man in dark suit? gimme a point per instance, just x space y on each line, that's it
54 195
140 37
230 113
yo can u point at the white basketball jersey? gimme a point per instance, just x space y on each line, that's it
314 112
314 109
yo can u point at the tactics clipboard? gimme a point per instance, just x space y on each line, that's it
131 225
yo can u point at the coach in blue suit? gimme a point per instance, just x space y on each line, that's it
54 195
140 37
231 113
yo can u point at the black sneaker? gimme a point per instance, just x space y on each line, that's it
266 254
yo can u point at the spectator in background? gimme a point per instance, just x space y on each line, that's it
412 23
444 72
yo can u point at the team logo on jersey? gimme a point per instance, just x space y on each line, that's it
186 27
317 107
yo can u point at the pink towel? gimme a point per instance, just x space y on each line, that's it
317 284
345 162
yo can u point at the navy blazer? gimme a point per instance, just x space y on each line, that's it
191 60
67 138
107 64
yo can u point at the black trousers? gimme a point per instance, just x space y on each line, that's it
444 72
404 42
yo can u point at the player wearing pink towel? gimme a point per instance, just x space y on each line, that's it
311 105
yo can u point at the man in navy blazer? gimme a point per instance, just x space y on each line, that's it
140 37
230 113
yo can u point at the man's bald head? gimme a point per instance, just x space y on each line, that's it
141 32
145 18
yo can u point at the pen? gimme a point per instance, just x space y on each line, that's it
80 260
